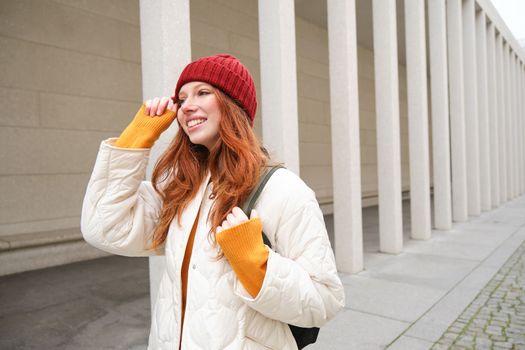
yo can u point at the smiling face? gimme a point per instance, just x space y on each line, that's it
199 114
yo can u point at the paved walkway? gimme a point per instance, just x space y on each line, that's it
406 301
496 318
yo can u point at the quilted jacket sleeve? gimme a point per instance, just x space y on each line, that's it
120 210
301 285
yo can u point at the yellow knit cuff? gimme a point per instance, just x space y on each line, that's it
144 130
244 248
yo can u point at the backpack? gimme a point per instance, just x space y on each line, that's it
302 336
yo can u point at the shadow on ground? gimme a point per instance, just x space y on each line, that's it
97 304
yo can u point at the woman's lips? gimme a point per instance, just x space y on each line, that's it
195 123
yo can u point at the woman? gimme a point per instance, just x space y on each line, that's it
222 288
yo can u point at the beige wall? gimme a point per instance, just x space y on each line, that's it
70 77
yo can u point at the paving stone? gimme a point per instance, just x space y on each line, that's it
503 345
493 330
496 318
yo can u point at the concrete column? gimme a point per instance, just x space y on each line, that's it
493 115
387 125
437 28
519 126
517 135
521 144
346 159
483 110
471 107
165 50
416 63
517 148
457 111
508 140
513 139
521 131
522 128
502 112
279 81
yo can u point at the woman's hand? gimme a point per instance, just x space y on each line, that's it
158 106
153 118
242 243
236 217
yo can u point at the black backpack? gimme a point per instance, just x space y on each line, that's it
302 336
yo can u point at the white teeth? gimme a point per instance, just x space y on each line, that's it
195 122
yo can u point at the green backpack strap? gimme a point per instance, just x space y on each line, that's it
252 198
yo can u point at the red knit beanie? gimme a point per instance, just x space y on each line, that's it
226 73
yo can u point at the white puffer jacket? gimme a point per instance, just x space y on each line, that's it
301 285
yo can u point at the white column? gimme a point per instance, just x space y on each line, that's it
519 128
493 115
510 91
387 125
457 111
502 112
437 28
279 81
501 116
416 63
517 135
165 51
483 111
471 108
510 128
508 101
346 159
517 172
513 122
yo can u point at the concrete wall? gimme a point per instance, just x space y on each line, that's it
69 77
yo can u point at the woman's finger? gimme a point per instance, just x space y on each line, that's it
218 229
253 214
232 220
174 108
162 105
154 106
147 106
225 225
241 216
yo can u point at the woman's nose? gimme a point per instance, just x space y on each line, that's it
188 107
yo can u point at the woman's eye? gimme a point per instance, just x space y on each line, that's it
203 92
180 101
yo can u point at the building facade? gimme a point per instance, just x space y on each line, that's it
370 102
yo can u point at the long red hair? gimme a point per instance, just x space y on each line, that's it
235 163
